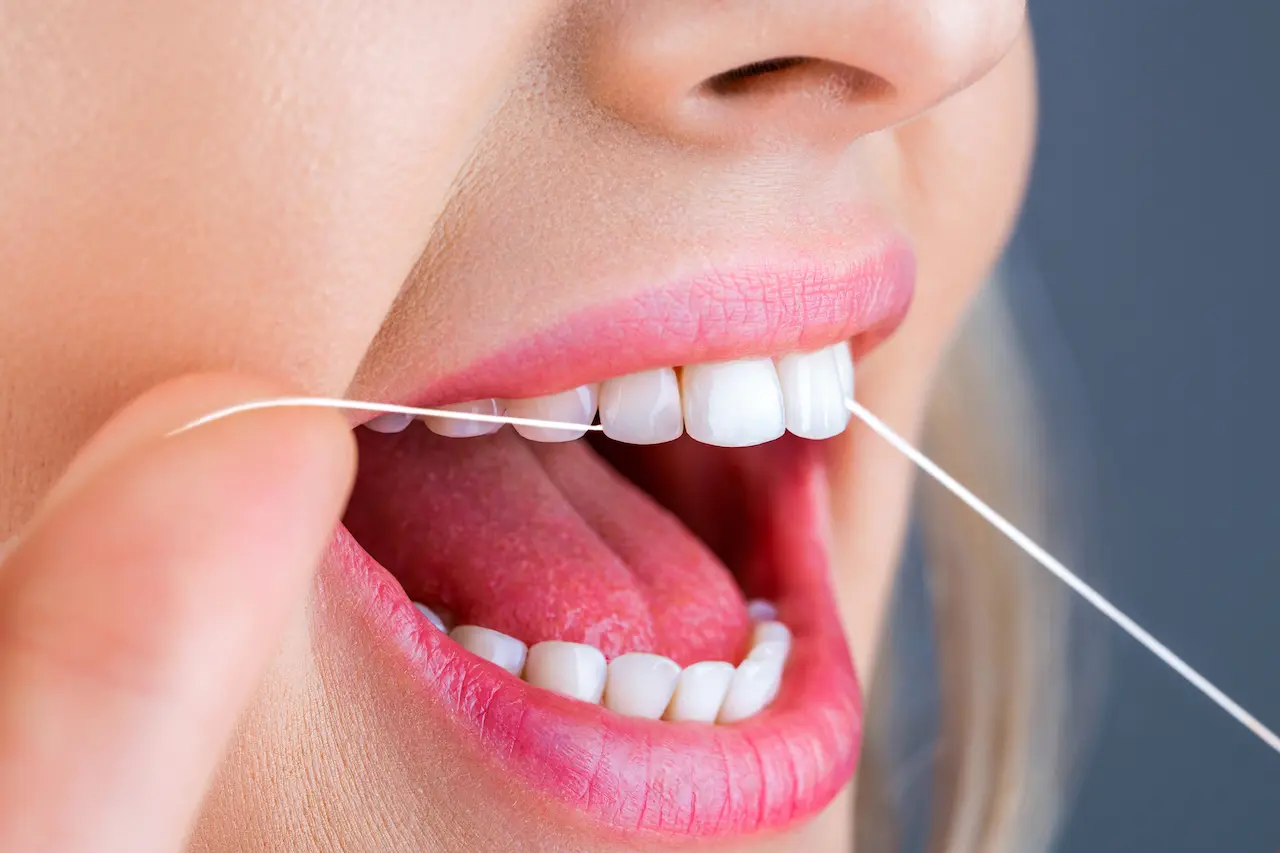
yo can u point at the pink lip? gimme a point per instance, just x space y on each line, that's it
771 306
670 780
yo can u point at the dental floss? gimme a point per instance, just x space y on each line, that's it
1082 589
924 463
381 408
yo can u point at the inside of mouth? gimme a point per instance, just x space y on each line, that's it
622 547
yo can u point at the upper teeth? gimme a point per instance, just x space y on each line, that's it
575 406
734 403
390 422
643 408
456 428
729 404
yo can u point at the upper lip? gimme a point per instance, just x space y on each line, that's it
782 304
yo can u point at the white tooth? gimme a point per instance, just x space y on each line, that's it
754 684
453 428
643 408
733 403
775 651
813 394
495 647
770 631
390 422
574 669
700 692
760 610
576 406
640 684
844 366
430 614
770 641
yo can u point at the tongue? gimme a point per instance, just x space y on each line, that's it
542 542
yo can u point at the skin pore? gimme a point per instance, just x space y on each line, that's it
356 198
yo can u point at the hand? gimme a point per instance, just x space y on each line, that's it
141 604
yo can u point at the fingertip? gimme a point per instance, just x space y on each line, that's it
173 405
304 455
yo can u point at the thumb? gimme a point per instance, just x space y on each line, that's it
139 609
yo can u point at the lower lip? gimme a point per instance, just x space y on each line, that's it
651 778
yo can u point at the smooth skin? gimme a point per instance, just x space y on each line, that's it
351 199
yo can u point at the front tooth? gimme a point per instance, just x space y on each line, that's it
700 692
733 403
640 684
642 408
576 406
813 393
456 428
574 669
844 366
754 684
494 646
391 422
430 614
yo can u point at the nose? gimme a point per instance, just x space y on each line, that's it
825 70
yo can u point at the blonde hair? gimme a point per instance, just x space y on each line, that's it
999 762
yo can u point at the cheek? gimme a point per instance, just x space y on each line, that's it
188 190
158 215
216 186
963 174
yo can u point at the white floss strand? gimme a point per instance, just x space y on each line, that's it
924 463
1088 593
381 408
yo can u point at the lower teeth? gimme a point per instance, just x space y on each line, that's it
639 684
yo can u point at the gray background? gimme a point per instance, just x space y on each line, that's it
1152 222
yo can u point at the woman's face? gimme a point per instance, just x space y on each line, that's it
431 202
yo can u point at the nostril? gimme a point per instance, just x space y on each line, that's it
735 80
834 81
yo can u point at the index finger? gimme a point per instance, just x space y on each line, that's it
138 613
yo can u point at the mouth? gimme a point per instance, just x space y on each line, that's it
638 624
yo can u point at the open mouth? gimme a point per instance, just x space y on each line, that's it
638 623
